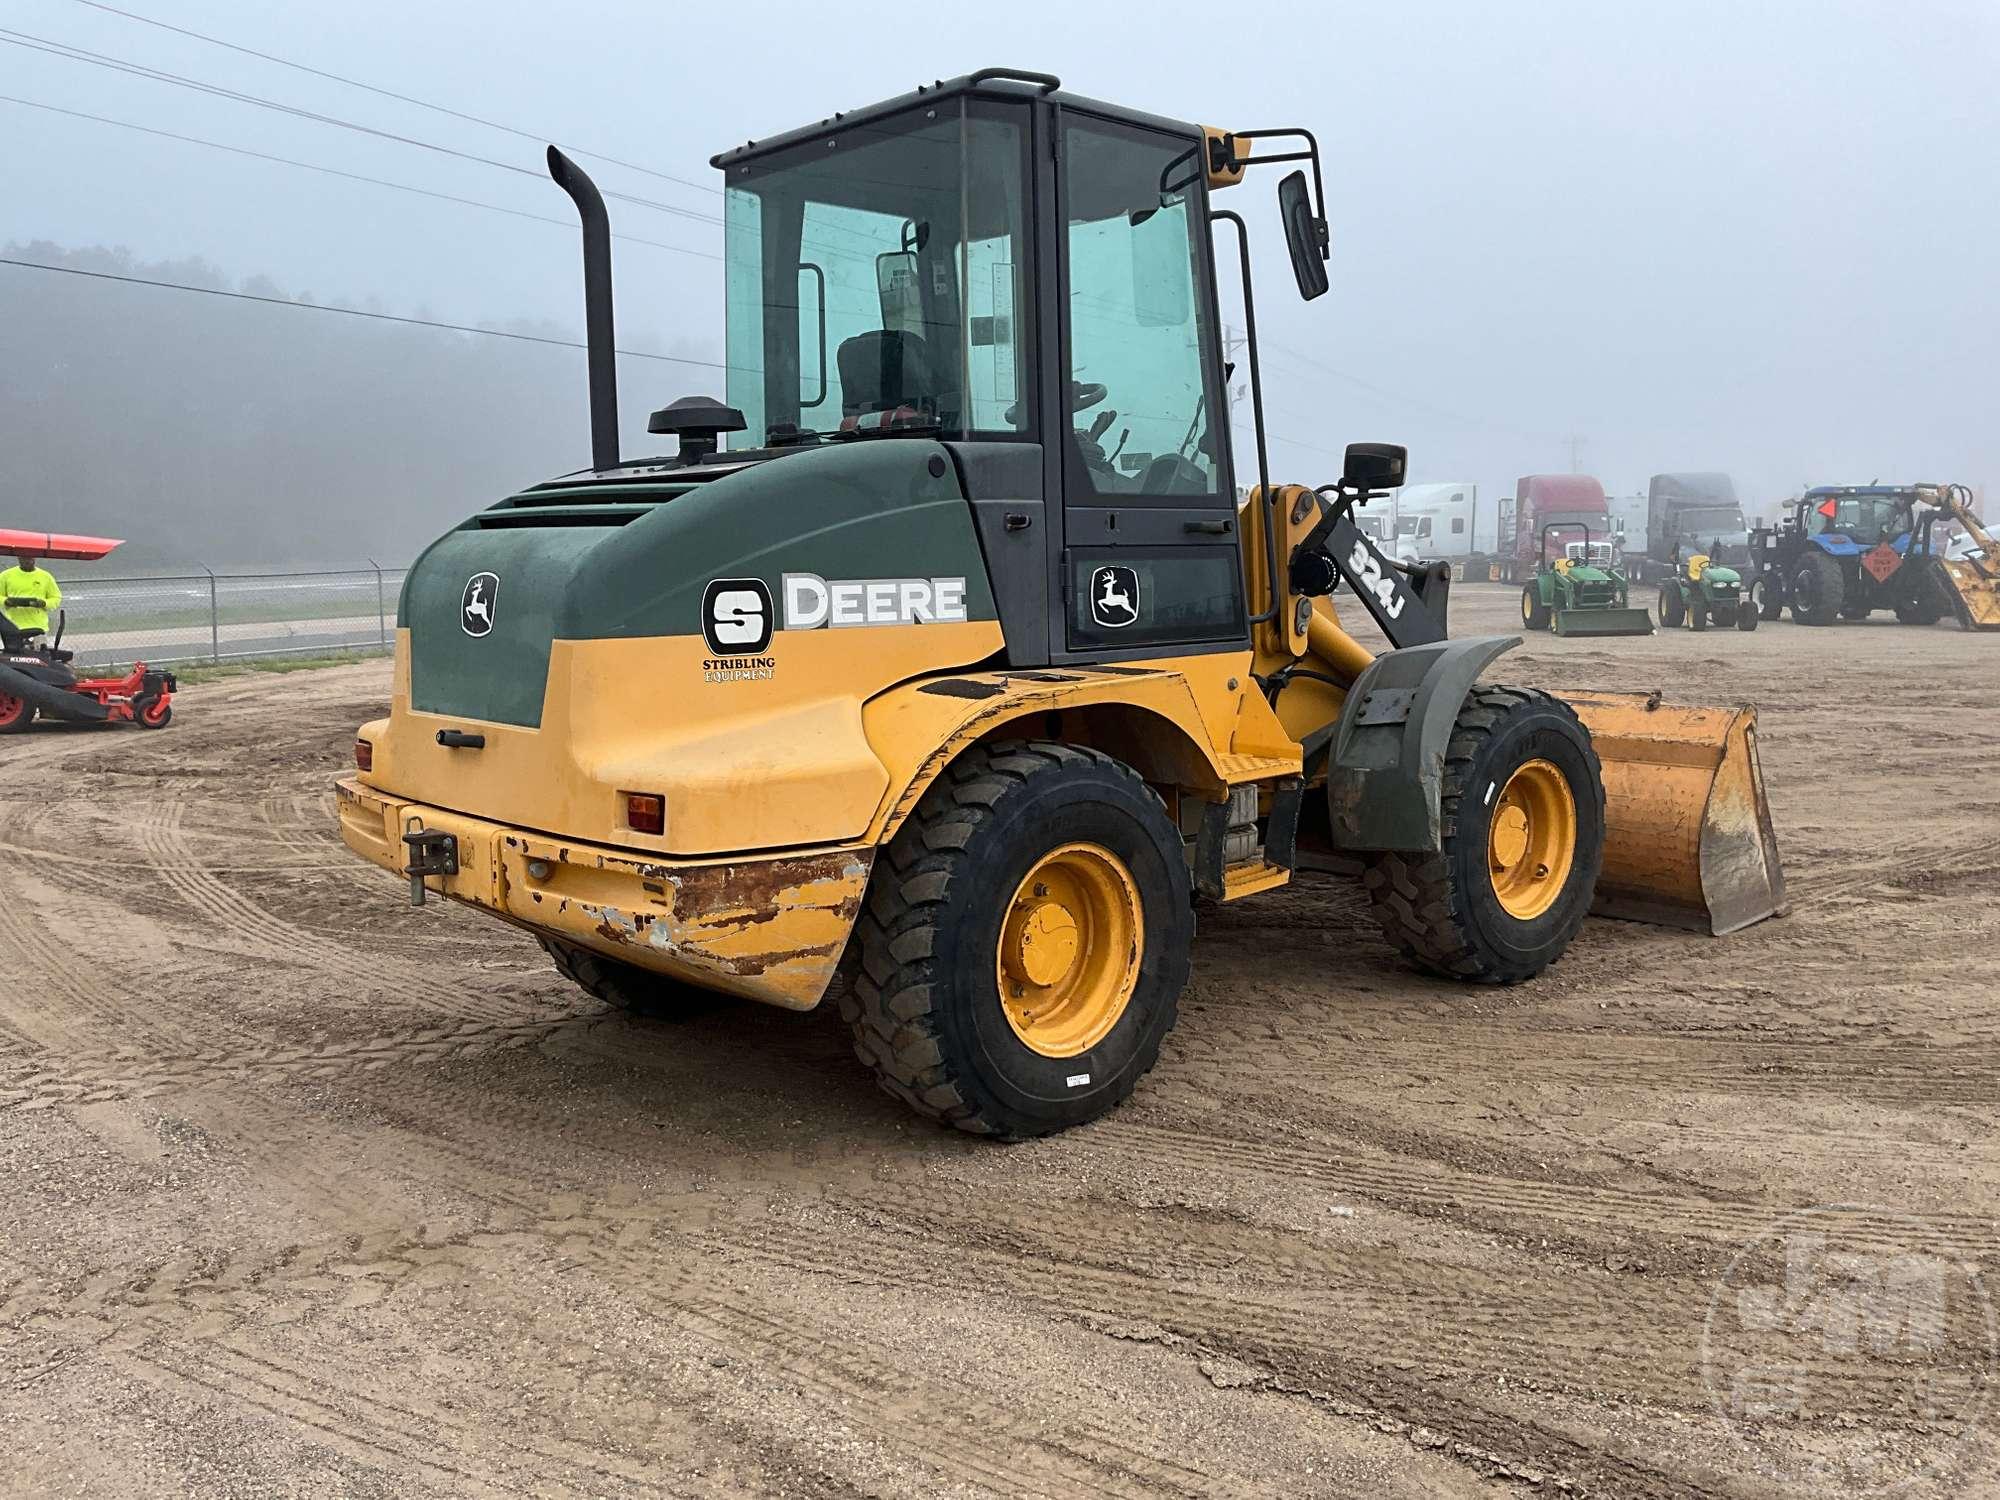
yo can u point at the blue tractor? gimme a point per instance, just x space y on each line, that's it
1845 551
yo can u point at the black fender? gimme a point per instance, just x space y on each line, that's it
56 702
1385 761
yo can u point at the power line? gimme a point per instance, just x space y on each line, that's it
352 312
285 62
160 75
1410 401
401 187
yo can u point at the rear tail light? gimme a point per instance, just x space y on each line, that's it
364 756
645 812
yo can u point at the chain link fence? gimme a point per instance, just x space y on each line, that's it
223 617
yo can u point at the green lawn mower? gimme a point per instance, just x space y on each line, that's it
1700 593
1581 592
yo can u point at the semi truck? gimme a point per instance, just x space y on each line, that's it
1688 514
1541 500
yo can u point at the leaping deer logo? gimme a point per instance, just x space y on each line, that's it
476 610
1114 597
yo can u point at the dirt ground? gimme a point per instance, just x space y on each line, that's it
307 1192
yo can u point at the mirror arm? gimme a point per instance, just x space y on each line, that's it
1310 154
1264 496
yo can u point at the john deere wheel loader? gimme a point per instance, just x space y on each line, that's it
954 687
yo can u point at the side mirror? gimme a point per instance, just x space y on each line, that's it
1374 466
1305 236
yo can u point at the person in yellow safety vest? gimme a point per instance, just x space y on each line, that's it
27 593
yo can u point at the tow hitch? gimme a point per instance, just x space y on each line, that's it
431 853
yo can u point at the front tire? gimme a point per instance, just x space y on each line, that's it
1746 613
1523 811
1534 613
1697 616
1770 598
1819 589
1925 609
1673 608
1025 941
153 711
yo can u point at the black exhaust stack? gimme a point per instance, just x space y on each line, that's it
603 357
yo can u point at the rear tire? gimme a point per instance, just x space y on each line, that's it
943 927
628 987
1819 589
16 714
1445 911
1926 609
1673 608
1534 613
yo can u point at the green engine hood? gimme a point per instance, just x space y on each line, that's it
634 559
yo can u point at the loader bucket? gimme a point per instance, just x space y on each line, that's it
1974 595
1602 622
1687 830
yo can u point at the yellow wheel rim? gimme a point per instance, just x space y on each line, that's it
1069 950
1531 842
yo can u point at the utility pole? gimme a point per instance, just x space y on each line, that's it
1233 340
1575 452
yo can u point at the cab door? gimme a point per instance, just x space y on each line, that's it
1147 563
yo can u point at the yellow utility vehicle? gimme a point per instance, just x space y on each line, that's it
958 684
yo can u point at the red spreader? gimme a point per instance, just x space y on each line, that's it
54 544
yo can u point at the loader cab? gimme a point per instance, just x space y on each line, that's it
1027 277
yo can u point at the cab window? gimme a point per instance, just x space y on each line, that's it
1141 385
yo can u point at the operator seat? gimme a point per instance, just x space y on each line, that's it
886 370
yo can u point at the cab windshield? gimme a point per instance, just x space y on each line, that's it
1714 520
874 277
1864 518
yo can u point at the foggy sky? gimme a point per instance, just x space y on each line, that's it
1749 237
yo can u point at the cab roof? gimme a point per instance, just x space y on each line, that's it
990 83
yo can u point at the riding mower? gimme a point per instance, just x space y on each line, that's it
1700 591
1581 593
36 675
910 701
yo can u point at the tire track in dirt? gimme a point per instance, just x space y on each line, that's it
1592 1217
69 990
265 935
964 1436
45 1082
1268 1329
374 1435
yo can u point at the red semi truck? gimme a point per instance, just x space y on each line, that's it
1539 499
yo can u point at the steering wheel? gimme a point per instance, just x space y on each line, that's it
1084 394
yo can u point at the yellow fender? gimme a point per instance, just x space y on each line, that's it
1194 723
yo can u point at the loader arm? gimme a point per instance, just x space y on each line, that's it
1972 584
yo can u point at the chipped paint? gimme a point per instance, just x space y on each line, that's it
770 929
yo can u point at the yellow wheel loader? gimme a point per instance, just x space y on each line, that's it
962 679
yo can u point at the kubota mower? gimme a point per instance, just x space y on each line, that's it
949 688
36 675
